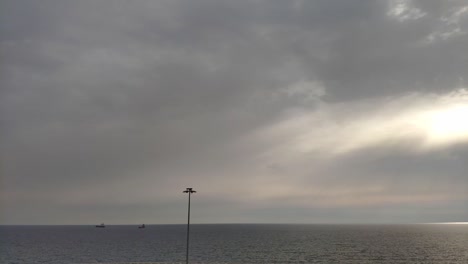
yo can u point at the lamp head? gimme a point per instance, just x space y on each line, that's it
189 190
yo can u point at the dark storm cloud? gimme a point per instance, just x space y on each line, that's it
112 104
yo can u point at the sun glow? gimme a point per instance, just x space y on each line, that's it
416 122
453 223
448 125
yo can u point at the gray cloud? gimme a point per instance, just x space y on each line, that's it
111 106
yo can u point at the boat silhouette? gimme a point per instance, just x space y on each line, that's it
101 225
142 226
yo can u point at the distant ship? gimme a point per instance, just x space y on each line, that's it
101 225
142 226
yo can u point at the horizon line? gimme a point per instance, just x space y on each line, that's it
251 223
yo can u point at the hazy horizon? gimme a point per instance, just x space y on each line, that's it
321 111
162 224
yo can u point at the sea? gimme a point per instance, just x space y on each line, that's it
235 243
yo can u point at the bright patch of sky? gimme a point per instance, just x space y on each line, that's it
428 121
403 10
451 25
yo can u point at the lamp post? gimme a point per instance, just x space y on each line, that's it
189 191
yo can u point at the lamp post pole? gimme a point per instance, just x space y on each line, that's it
189 191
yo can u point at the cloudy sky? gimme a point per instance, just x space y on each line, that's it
320 111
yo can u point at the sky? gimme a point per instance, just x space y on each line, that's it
274 111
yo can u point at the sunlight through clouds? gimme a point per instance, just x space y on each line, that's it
418 122
265 105
304 144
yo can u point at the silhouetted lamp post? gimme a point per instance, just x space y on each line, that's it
189 191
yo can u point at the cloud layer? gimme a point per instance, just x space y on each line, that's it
275 111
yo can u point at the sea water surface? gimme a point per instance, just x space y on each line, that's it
236 243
